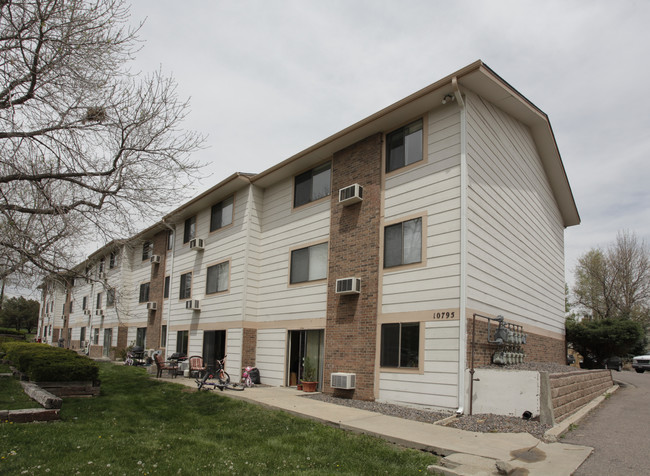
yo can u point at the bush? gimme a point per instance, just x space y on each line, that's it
41 362
6 330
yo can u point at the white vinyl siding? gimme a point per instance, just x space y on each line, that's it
432 189
284 229
515 230
437 386
270 355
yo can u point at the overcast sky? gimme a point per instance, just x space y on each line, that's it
267 79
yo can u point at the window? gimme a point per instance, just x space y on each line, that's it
112 260
217 278
110 297
170 239
163 336
63 310
400 344
403 243
312 185
146 250
82 336
221 214
190 229
181 342
309 264
100 267
144 292
186 286
141 336
99 301
96 336
404 146
84 303
70 307
166 291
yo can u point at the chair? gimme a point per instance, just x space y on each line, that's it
197 365
162 365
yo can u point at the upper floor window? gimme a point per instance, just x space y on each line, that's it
112 260
170 239
190 229
186 286
404 146
400 344
99 301
217 278
403 243
312 185
110 297
309 264
84 303
221 214
166 289
144 292
146 250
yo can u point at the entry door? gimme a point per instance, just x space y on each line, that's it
302 344
108 341
214 347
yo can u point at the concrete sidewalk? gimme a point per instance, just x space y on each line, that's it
467 453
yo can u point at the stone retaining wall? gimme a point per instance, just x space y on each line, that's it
570 391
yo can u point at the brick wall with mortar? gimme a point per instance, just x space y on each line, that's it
572 390
156 291
351 327
538 348
248 347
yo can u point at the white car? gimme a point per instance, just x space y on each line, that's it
641 363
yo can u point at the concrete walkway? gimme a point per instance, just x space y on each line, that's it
468 453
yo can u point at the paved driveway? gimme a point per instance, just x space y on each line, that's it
618 430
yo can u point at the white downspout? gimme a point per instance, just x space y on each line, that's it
171 280
462 351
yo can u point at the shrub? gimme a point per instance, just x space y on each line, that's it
6 330
41 362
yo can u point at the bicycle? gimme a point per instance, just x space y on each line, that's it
246 379
222 379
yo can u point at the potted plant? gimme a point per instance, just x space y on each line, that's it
309 379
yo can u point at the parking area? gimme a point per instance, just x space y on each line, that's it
617 430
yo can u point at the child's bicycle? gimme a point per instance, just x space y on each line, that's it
219 379
246 379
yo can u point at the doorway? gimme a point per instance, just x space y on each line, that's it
303 344
214 347
108 341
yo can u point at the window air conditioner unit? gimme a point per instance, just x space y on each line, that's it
99 312
343 380
155 259
351 194
193 304
87 312
196 244
152 306
348 286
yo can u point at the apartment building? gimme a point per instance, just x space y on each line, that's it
369 253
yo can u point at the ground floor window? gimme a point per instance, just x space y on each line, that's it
82 336
96 336
163 336
141 337
182 338
400 344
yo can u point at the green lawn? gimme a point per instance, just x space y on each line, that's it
12 395
144 426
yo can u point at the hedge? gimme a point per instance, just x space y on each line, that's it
44 363
14 332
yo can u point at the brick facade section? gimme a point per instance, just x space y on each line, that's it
538 348
570 391
156 291
351 325
248 347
